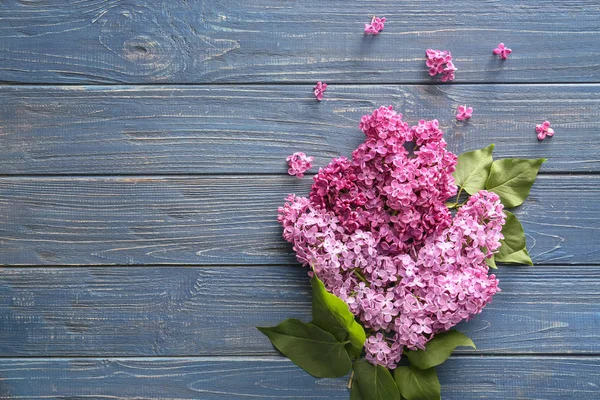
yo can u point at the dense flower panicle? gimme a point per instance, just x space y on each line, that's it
464 112
440 62
544 130
502 51
298 164
379 351
375 26
376 230
319 90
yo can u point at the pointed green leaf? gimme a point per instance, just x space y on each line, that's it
514 236
438 349
512 178
372 382
521 257
451 204
417 384
327 313
309 347
491 262
513 248
473 168
331 314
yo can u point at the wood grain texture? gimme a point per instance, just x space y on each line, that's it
199 41
463 378
252 129
172 311
228 220
148 285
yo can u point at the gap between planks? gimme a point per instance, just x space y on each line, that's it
270 358
290 83
192 175
234 265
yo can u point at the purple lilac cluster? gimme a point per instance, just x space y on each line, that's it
376 230
298 164
440 62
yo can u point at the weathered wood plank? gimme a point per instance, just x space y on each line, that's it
201 41
105 130
187 311
462 378
227 220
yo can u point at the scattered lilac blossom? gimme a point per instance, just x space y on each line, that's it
544 130
440 62
464 112
376 230
375 26
299 163
502 51
319 90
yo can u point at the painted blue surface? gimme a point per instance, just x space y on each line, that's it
142 163
266 41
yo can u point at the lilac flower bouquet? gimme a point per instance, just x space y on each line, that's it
399 241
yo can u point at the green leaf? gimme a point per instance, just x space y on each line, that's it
417 384
450 204
491 262
514 236
512 178
438 349
372 382
513 249
521 257
473 169
331 314
309 347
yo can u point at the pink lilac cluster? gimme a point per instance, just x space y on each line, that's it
440 62
376 230
502 51
375 26
298 164
544 130
319 90
464 112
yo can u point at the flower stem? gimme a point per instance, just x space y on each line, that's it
458 196
362 278
350 380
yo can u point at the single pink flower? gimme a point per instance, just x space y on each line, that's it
544 130
464 112
299 163
319 89
375 26
502 51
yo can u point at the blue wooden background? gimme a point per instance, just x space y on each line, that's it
142 163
